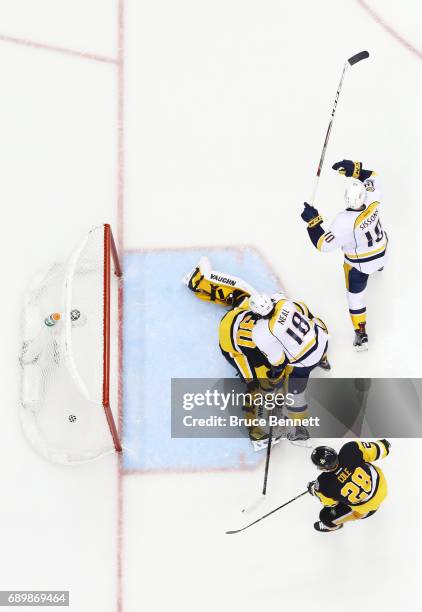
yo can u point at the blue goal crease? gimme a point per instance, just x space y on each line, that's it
168 333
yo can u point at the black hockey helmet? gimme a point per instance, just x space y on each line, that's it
324 457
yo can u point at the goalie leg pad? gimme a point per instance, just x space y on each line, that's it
212 286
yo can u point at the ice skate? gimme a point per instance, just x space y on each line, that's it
361 338
321 527
324 364
299 436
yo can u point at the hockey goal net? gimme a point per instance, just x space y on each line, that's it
70 339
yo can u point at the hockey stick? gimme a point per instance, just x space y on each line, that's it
268 514
259 501
350 62
267 460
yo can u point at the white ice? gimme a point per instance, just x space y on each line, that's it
226 106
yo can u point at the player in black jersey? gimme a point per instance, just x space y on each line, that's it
350 487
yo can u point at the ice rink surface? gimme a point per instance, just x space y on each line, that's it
199 124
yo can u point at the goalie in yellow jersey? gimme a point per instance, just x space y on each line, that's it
270 340
350 487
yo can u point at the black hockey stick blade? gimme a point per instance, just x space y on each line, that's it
358 57
266 515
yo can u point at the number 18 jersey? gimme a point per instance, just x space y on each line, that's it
291 336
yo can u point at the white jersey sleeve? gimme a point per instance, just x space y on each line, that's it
268 344
337 235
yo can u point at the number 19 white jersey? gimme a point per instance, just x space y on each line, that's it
359 234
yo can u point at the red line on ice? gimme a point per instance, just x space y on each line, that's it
24 42
389 29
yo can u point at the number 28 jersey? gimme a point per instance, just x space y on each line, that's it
359 234
356 482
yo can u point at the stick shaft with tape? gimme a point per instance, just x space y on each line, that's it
350 62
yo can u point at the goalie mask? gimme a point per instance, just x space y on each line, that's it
261 304
355 195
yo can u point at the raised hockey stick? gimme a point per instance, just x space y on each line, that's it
268 514
259 501
350 62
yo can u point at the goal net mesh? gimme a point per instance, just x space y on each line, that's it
62 393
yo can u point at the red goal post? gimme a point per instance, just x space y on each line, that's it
71 330
110 253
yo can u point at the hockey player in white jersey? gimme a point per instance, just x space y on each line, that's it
294 342
359 233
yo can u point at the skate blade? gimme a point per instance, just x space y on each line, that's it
362 348
259 445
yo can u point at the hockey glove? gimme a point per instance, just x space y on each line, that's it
352 169
275 376
311 215
312 486
387 444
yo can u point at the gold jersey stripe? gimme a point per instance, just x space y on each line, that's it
274 317
368 254
304 350
365 213
302 306
243 365
326 501
227 342
320 241
281 360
